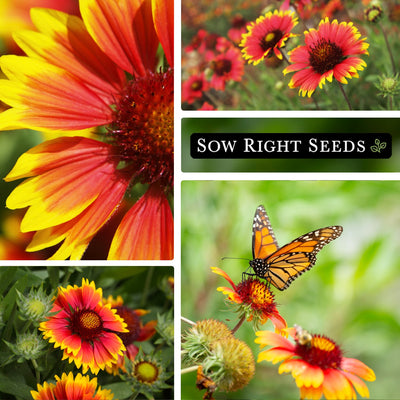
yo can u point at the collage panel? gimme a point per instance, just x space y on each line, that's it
304 144
290 55
86 129
86 332
287 283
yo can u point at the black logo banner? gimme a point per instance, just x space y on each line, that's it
290 145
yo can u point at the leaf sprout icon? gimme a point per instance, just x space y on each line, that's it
378 146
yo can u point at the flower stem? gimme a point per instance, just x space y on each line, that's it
389 49
37 372
345 95
146 286
188 321
238 325
189 369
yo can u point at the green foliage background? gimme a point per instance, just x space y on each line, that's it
351 294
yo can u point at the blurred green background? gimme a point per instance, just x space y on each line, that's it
351 294
289 125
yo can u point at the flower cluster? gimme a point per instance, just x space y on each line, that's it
79 333
211 62
318 41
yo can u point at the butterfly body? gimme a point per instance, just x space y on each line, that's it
282 265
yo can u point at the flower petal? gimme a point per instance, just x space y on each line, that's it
124 30
146 231
163 15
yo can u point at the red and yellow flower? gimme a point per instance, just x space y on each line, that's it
136 331
84 328
267 35
317 365
256 302
227 66
329 52
69 387
99 72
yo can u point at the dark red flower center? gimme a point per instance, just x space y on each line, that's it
87 324
271 39
197 85
325 55
143 127
211 41
320 351
222 66
133 324
238 22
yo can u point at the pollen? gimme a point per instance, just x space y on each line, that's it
90 320
143 128
87 324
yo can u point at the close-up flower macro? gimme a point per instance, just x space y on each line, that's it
99 87
86 333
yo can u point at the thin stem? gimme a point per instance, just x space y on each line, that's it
390 102
238 325
146 286
37 372
389 49
188 321
189 369
345 95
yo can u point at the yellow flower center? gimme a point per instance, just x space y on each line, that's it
146 372
322 343
90 320
269 37
260 294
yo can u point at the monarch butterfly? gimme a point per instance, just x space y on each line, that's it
282 265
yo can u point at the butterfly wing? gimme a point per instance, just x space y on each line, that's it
263 239
298 256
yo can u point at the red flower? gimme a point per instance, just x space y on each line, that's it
136 331
267 35
194 87
69 387
329 52
85 329
95 72
226 67
255 300
317 365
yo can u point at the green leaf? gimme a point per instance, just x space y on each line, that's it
20 390
121 390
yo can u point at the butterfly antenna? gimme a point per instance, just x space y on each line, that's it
235 258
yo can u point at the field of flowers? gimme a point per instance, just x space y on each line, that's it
290 55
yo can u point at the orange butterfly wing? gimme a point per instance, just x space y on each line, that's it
291 260
281 266
264 242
